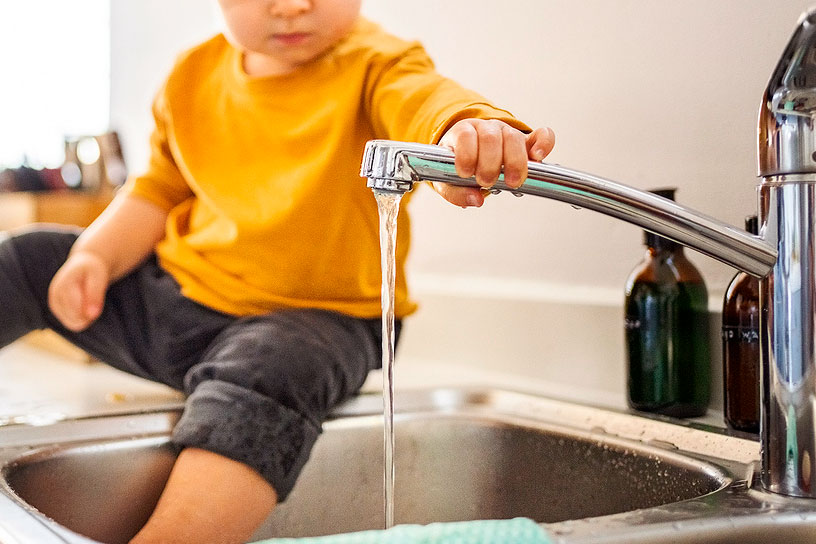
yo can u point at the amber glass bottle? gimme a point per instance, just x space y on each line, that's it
666 322
740 331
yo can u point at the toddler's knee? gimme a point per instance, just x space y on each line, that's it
28 260
33 255
35 251
297 385
46 242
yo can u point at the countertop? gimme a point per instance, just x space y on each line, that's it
45 381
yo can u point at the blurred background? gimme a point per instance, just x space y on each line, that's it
652 93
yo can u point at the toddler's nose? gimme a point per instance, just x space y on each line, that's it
289 8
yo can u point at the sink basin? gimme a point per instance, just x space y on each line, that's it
460 455
449 467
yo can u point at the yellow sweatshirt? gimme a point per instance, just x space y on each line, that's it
260 176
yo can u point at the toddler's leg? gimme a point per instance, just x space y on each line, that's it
258 397
28 261
209 499
147 327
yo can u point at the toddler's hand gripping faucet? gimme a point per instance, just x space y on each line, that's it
784 255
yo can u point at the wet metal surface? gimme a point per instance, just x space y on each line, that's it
588 475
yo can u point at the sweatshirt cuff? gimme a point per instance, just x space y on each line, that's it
477 111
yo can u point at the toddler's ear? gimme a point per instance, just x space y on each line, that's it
540 143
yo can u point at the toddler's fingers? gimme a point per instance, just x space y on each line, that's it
540 143
64 302
460 196
515 156
94 288
462 139
491 151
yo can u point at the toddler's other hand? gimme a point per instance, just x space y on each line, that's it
482 147
76 294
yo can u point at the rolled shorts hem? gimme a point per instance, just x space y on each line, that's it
250 428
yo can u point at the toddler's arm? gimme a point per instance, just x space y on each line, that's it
120 238
482 147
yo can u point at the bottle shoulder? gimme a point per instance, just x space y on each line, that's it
742 295
684 268
742 283
664 268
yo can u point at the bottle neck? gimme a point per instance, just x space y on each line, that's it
658 243
663 249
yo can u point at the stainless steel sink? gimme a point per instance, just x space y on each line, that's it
587 474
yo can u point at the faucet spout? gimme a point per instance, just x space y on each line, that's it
396 166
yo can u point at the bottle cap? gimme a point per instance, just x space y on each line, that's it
656 241
752 224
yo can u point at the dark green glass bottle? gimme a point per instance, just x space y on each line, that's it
667 331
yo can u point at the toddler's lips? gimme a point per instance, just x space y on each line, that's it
294 38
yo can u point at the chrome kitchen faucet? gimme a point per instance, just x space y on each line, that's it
783 255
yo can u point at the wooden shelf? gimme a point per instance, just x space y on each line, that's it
62 207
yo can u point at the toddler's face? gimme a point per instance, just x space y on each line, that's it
277 36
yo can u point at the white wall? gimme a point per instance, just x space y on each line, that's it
146 36
648 92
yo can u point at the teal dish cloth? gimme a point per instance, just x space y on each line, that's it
501 531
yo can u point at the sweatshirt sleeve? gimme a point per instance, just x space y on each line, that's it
410 101
163 183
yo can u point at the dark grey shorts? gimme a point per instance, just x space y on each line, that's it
258 388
